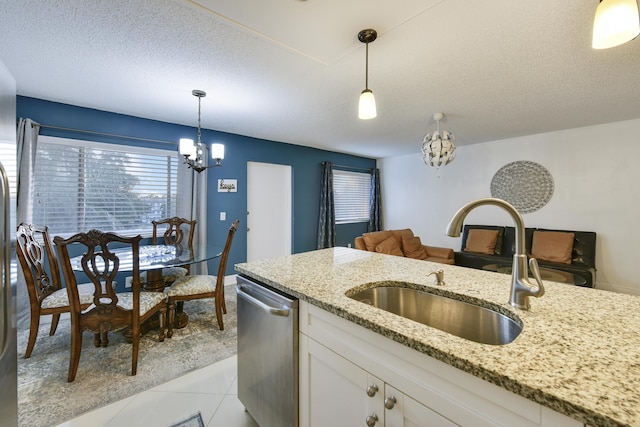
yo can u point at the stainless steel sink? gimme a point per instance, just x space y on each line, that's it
459 318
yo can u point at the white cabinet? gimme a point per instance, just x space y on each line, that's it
403 411
337 390
339 393
340 360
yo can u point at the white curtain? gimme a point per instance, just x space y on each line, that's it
192 203
27 142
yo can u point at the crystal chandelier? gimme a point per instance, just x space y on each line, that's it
438 149
194 153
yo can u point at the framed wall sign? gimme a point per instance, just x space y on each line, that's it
227 186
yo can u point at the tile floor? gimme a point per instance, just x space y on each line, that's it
211 390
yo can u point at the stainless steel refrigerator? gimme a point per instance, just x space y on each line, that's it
8 356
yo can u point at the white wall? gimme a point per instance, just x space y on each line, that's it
596 172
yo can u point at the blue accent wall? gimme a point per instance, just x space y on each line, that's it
305 163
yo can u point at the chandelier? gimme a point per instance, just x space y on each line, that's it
194 153
438 149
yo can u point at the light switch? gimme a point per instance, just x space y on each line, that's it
223 216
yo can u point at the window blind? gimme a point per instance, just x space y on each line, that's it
352 195
80 185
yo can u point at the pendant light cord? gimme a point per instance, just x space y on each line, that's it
366 67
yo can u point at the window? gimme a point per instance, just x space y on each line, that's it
80 185
352 196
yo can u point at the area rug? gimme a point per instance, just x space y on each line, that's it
194 420
46 399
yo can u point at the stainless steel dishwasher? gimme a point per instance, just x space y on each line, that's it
267 354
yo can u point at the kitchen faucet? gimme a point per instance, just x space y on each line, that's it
521 288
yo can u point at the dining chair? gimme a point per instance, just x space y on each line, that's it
46 293
202 286
110 311
173 235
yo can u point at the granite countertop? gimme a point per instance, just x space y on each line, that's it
578 354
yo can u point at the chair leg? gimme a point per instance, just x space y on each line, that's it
224 304
134 355
33 333
74 361
54 324
162 317
219 313
172 315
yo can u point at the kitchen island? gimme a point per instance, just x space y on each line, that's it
578 353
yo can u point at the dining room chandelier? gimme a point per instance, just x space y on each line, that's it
194 154
367 104
616 22
438 149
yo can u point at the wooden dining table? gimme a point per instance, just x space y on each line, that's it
152 259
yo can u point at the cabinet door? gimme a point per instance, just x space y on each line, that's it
403 411
338 391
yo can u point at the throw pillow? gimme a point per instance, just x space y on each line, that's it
389 246
553 246
412 247
371 240
481 241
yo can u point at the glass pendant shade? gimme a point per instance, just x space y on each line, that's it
367 105
217 152
616 22
187 148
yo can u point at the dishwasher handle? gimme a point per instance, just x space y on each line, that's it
276 311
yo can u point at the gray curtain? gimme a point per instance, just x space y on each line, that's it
327 216
192 204
375 208
27 143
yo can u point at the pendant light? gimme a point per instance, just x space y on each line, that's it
438 149
367 104
616 22
194 153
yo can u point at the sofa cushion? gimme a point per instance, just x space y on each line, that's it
371 240
481 241
412 247
553 246
390 246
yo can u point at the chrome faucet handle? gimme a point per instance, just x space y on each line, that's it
521 287
533 265
439 279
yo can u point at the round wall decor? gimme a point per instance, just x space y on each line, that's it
528 186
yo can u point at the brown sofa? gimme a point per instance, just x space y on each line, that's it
403 243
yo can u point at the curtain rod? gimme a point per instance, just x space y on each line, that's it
354 167
103 133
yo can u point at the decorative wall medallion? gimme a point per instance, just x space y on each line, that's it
528 186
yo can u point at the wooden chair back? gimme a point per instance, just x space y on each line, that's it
223 260
175 232
34 250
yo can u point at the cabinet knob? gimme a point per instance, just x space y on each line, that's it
372 390
390 402
372 420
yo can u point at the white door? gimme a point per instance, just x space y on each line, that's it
269 210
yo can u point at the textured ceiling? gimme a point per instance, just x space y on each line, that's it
292 70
